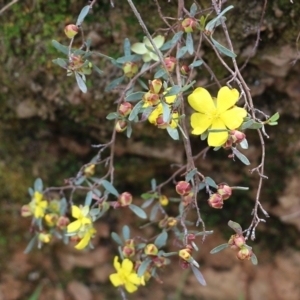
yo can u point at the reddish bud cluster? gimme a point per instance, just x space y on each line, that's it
170 63
235 137
223 193
238 242
183 188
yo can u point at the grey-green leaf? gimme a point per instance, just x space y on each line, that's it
88 198
127 50
241 156
143 267
189 43
60 62
223 49
181 52
81 83
161 240
135 96
135 110
116 238
126 232
219 248
38 185
138 211
84 12
110 188
198 275
114 83
112 116
173 132
60 47
211 182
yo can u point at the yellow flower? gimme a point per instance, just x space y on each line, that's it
86 236
38 205
126 275
142 48
81 214
220 113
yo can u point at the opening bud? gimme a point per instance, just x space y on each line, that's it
151 99
26 211
215 201
163 200
89 171
237 136
44 237
161 123
121 126
171 222
244 253
51 219
130 69
170 63
159 261
71 30
125 199
156 86
185 70
183 188
185 254
62 222
224 190
190 25
151 249
125 109
188 199
129 248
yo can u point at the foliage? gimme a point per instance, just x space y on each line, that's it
162 62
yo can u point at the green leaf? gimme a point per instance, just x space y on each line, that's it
244 144
147 203
173 133
174 90
60 62
126 232
181 52
138 211
84 12
127 50
114 83
129 130
204 135
219 248
88 198
30 191
212 24
254 259
112 116
38 185
36 294
110 188
166 46
80 82
193 10
166 112
31 244
186 87
198 275
241 156
161 240
142 84
275 117
97 69
143 267
154 211
272 123
58 46
127 58
256 125
147 112
211 182
135 110
147 196
160 73
116 238
247 124
223 49
235 226
189 43
135 96
202 186
196 63
177 36
190 175
153 184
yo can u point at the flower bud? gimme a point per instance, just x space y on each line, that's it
244 253
188 199
44 237
185 254
62 222
191 237
71 30
163 223
129 248
161 123
130 69
26 211
224 190
51 219
171 222
184 264
89 170
170 63
237 136
76 61
159 261
189 25
215 201
183 188
125 199
163 200
151 99
151 249
125 109
185 70
88 69
228 143
156 86
236 241
121 126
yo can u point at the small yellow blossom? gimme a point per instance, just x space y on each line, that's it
142 48
81 214
126 275
220 113
86 237
38 205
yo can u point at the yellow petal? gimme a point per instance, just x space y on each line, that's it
233 118
155 113
85 210
74 226
200 123
115 279
130 287
43 204
133 278
159 41
76 211
201 101
84 242
117 265
37 196
171 99
38 212
226 98
139 48
127 265
216 139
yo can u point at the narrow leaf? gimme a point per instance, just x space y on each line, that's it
189 43
114 83
147 203
161 240
256 125
126 232
211 24
124 59
110 188
241 156
154 211
174 90
198 275
219 248
181 52
223 49
173 132
275 117
254 259
38 185
129 130
211 182
247 124
138 211
112 116
135 110
244 144
100 72
193 9
176 37
166 112
81 83
235 226
31 244
143 267
190 175
58 46
127 50
88 198
135 96
84 12
196 63
60 62
160 73
116 238
153 184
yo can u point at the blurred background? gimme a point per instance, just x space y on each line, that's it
47 127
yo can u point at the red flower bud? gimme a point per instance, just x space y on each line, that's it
71 30
184 264
159 261
185 70
125 109
215 201
121 126
224 190
151 99
161 123
237 136
26 211
125 199
189 25
170 63
62 222
236 241
130 69
183 188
